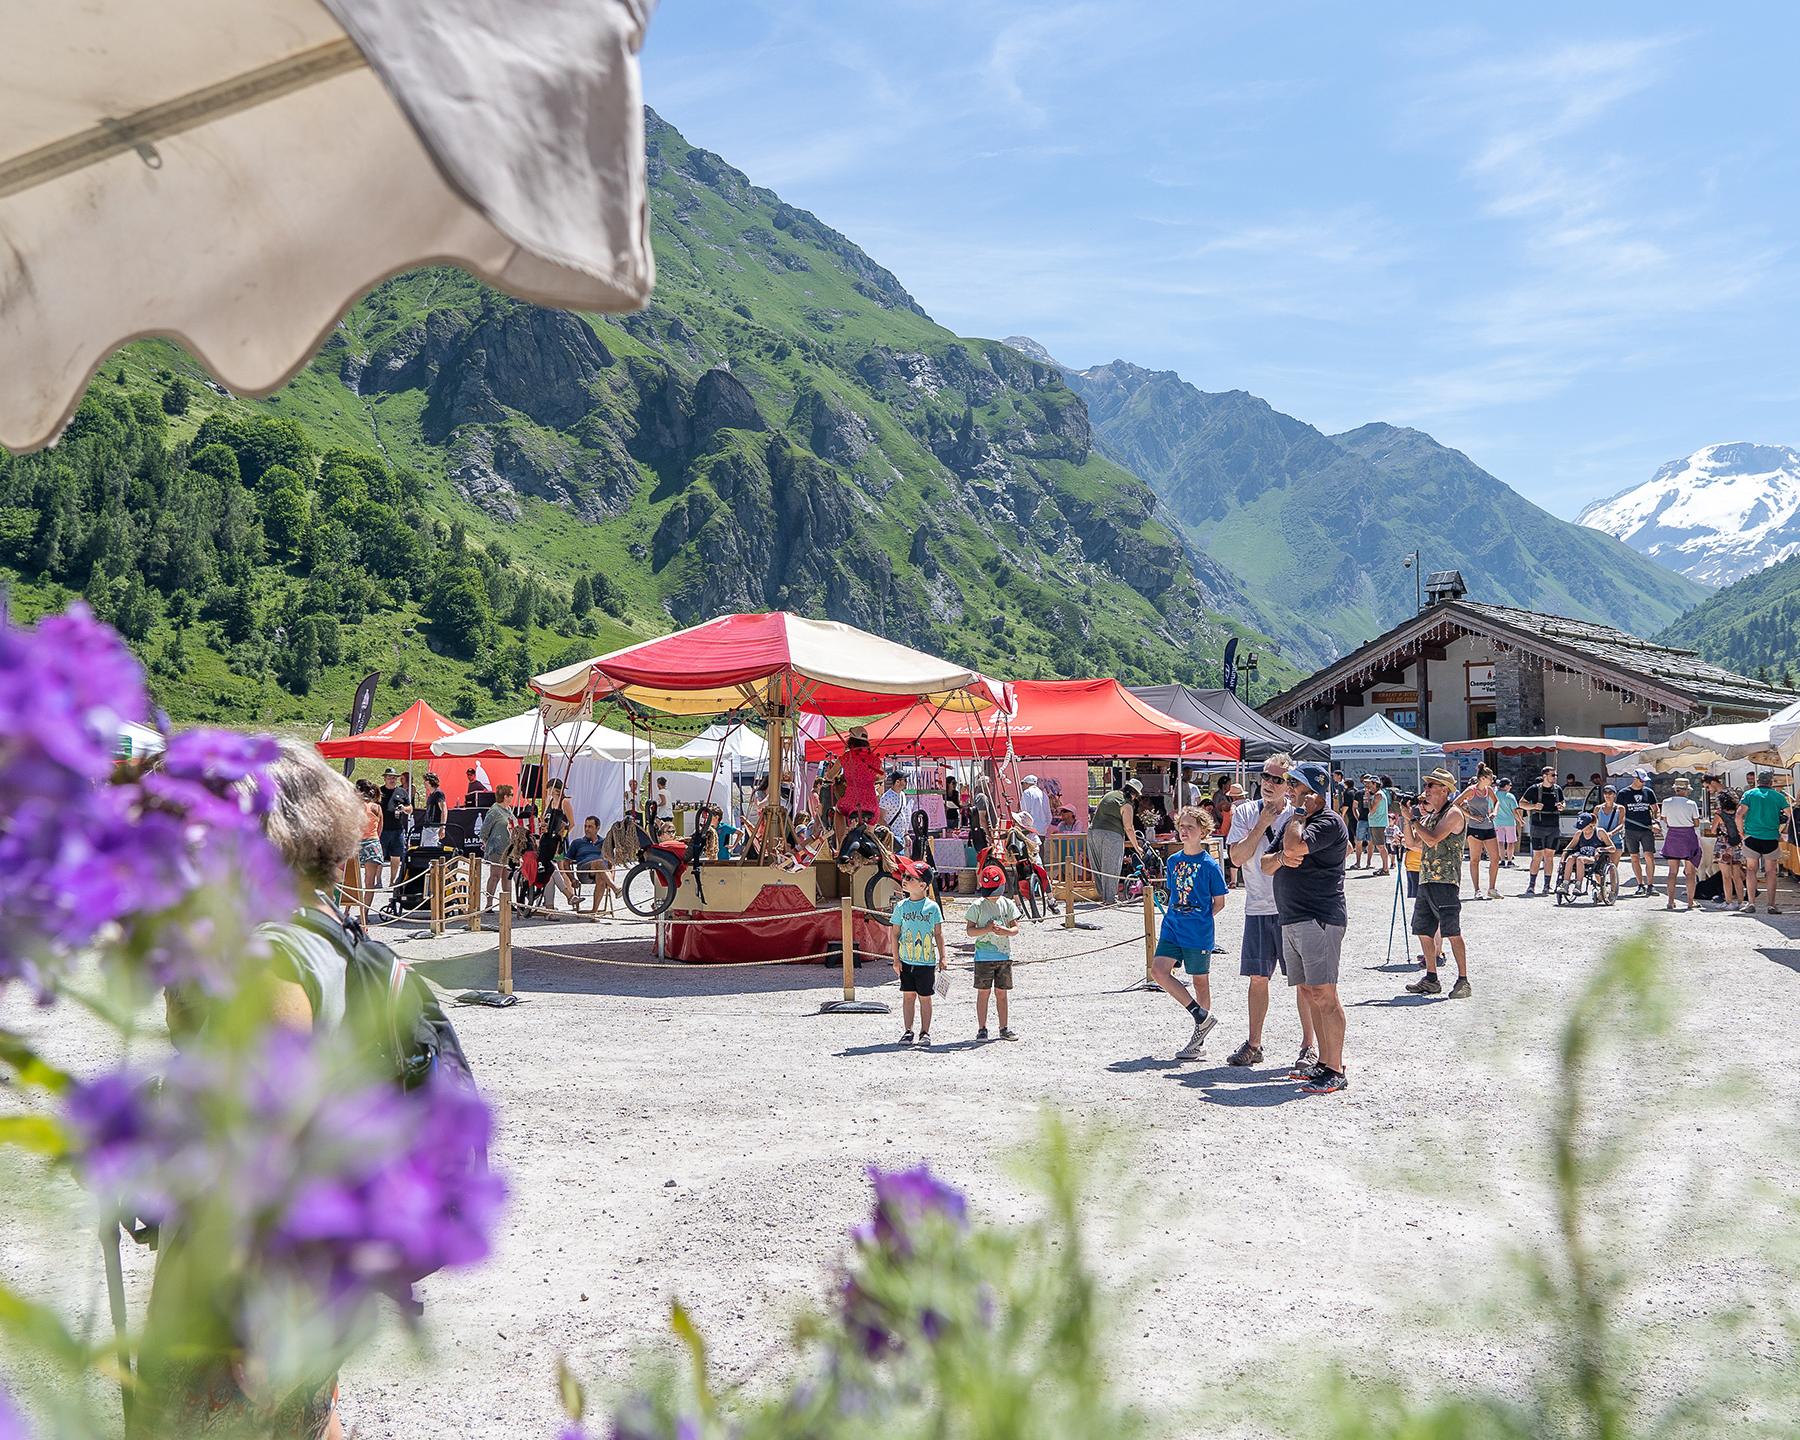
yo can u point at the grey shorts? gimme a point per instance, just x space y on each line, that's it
1310 950
1438 910
1639 842
993 974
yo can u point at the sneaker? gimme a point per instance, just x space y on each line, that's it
1326 1082
1746 909
1197 1041
1246 1054
1426 984
981 1033
1531 889
1302 1068
1460 990
906 1037
1493 894
924 1039
1006 1034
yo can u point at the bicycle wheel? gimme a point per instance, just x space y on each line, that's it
647 891
882 893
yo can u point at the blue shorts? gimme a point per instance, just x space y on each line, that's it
1261 950
1194 961
1362 831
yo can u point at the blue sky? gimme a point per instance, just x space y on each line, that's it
1563 244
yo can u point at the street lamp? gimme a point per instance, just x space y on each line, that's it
1249 668
1412 563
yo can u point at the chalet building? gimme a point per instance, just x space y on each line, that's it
1459 670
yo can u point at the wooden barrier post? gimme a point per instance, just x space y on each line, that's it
1149 937
847 912
506 939
1068 897
474 894
437 896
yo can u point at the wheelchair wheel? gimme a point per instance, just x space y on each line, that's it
882 893
647 891
1562 893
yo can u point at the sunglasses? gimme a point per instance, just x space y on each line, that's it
1269 779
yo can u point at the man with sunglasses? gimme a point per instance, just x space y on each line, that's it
1255 830
1309 896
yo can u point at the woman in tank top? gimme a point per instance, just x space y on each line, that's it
1479 804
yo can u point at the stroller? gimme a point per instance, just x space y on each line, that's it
1142 867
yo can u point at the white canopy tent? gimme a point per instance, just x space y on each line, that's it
745 750
138 741
233 173
1380 746
523 737
1752 740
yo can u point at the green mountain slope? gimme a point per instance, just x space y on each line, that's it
1317 526
783 427
1752 625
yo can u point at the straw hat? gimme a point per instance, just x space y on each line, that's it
1441 776
1234 791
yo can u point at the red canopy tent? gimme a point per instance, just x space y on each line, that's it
408 738
1050 720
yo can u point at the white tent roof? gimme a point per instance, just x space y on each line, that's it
1380 735
233 173
743 748
522 737
1750 740
137 740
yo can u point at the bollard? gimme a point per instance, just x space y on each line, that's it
437 896
1149 937
474 894
506 939
847 912
1069 898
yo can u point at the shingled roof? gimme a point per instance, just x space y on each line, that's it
1665 673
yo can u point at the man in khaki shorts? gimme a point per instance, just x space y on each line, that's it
1309 899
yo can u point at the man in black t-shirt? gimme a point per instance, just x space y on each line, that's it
1641 810
1309 901
1543 804
437 810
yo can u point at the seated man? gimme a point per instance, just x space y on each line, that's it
585 858
1589 849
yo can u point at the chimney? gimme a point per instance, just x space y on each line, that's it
1442 585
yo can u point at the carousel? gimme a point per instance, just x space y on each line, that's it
791 675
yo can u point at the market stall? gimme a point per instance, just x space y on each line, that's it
1223 713
1581 755
1381 747
774 666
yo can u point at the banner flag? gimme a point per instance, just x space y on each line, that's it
1231 673
361 708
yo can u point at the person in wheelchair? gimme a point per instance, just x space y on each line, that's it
1588 855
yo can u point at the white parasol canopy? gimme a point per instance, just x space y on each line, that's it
1752 740
741 747
523 737
233 173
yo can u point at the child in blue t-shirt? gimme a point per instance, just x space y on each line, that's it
1196 893
918 947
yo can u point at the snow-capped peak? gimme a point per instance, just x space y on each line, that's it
1724 512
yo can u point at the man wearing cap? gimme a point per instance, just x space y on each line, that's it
1641 814
1543 803
1309 897
1112 832
1255 831
1035 803
396 814
1436 826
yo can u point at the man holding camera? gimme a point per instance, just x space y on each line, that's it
1435 826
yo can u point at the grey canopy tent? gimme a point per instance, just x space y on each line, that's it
1224 714
1380 747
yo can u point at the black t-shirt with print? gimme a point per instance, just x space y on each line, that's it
1550 797
1637 800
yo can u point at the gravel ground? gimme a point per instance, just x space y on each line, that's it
702 1133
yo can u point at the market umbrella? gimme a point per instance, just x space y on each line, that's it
770 663
1757 741
234 173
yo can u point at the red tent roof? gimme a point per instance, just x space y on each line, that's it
769 660
1051 720
408 736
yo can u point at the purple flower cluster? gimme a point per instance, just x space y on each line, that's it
12 1424
907 1202
312 1187
178 854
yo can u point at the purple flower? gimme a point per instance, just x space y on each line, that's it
317 1187
12 1424
638 1419
176 858
903 1200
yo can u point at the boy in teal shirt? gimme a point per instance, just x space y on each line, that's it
993 920
918 947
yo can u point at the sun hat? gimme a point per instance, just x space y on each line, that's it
1313 776
1440 776
859 732
1682 782
389 771
1234 791
1024 821
992 877
1134 785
